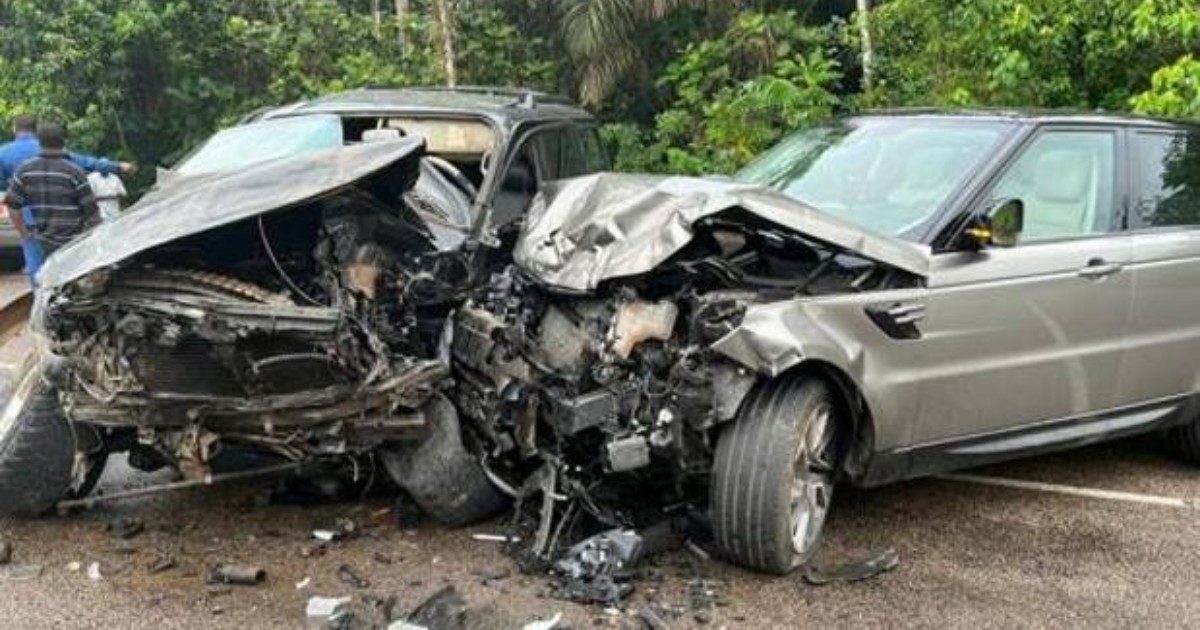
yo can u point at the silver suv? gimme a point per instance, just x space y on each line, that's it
885 297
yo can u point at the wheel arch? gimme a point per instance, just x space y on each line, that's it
857 411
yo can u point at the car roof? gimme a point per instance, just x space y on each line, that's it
1037 116
507 107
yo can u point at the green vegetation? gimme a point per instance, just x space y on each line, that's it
682 85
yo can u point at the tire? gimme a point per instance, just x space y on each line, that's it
37 449
1185 439
442 477
773 477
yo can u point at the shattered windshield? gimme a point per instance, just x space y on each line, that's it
237 147
889 175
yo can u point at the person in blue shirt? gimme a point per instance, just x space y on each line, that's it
25 146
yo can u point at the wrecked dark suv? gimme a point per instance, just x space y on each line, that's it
285 291
880 298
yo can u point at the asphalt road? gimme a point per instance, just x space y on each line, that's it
970 556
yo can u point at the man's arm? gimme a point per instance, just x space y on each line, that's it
16 198
91 163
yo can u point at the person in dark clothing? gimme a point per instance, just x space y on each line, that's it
24 146
53 193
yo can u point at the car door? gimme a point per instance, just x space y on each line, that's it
1030 334
1163 359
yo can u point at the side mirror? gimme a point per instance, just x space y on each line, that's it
1000 227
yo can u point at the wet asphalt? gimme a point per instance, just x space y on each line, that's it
971 556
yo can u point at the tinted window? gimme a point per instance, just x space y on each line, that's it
1167 178
568 152
1065 179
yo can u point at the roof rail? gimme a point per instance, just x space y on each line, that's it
523 97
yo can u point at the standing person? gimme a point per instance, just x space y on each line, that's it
53 194
24 146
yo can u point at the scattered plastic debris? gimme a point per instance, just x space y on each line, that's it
596 569
93 572
74 567
548 624
496 538
243 575
343 528
303 584
870 566
320 609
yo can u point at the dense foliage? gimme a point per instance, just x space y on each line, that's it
683 85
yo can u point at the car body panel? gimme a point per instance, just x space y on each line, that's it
583 231
193 205
1017 336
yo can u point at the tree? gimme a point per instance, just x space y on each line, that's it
1174 91
444 18
868 51
1043 53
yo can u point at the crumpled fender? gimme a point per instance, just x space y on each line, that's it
774 338
834 330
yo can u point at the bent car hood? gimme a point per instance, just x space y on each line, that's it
583 231
192 205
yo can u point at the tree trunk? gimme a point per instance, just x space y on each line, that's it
868 50
401 18
445 19
378 15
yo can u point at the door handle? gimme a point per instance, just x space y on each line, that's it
1098 268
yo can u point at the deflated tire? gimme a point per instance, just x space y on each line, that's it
36 447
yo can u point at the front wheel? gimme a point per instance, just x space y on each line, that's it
37 448
773 477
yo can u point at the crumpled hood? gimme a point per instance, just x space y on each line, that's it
192 205
580 232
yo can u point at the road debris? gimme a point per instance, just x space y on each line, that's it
871 565
161 563
319 609
347 575
500 538
244 575
547 624
596 570
445 609
303 584
342 529
94 573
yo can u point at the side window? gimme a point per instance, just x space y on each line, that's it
1166 179
1065 179
583 153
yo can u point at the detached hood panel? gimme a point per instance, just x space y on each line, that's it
189 206
583 231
